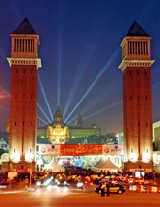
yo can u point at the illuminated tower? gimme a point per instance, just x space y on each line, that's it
137 103
58 117
24 63
79 121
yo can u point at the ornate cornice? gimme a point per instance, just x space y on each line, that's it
135 63
25 61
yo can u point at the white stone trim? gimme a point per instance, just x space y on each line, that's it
25 61
135 63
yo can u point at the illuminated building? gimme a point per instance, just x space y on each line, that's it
137 109
156 135
24 63
58 131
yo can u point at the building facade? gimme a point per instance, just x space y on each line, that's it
24 63
58 131
137 102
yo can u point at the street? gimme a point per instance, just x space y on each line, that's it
63 197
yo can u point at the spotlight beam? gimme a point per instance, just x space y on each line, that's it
60 44
59 70
44 96
103 109
4 91
42 120
109 62
6 109
89 51
44 113
99 98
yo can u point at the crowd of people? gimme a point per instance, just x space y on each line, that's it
89 177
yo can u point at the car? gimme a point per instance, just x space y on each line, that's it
114 188
44 182
61 182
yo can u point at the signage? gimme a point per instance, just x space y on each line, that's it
80 149
49 149
112 149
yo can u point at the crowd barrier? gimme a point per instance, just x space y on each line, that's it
144 188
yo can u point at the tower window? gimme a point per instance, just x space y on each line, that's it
15 123
22 123
146 124
146 98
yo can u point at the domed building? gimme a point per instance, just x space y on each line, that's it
58 131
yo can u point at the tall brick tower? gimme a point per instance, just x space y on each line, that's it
137 102
24 63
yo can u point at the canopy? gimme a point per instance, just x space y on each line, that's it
53 166
106 165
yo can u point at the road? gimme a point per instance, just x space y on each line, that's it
63 197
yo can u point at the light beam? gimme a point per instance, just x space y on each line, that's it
109 62
42 120
89 51
103 109
44 96
49 121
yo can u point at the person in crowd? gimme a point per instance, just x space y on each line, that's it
108 189
103 189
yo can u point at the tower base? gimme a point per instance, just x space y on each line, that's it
139 165
21 166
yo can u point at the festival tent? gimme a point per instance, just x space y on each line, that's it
53 166
106 165
99 163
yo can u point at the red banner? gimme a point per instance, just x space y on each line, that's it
80 149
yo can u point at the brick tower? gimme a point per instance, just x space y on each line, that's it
137 102
24 63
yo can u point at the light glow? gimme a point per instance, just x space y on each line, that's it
146 156
29 156
15 157
133 157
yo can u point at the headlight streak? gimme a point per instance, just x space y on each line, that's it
109 62
44 96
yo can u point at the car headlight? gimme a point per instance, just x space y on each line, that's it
38 183
80 184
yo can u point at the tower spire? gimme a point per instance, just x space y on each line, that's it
79 121
25 27
136 30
